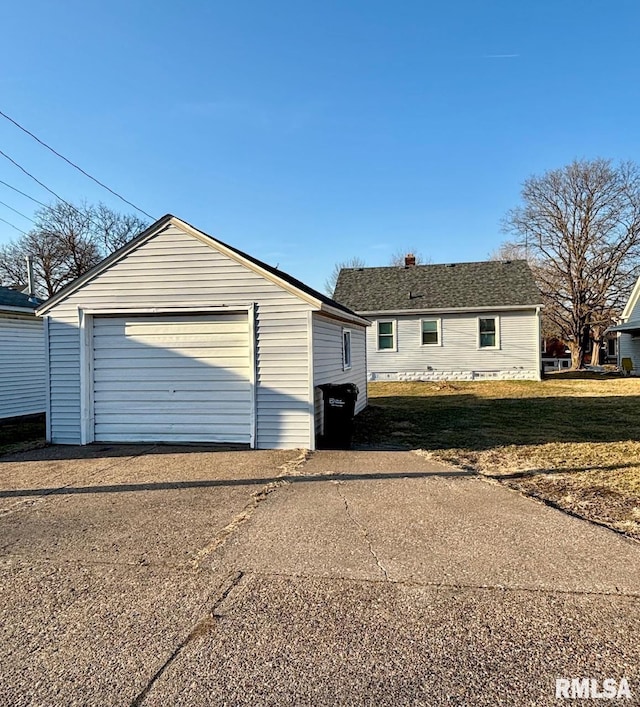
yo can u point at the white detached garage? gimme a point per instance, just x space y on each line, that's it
178 337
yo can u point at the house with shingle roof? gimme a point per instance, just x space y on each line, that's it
458 321
22 359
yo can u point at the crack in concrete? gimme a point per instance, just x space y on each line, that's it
456 586
201 628
290 468
363 530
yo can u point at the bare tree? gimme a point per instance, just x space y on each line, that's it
113 229
330 282
509 251
579 228
66 241
398 256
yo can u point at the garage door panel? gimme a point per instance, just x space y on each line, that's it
176 434
137 412
172 378
161 396
166 375
179 320
112 347
141 417
176 362
209 387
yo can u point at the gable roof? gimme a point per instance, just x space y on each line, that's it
281 278
631 302
484 285
17 300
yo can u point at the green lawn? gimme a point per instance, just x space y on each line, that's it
573 442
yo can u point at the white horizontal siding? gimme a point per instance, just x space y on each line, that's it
634 314
22 365
458 351
327 362
175 269
629 347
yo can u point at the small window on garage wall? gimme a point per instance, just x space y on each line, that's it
386 335
346 349
430 329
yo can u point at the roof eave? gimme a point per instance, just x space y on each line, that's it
162 223
344 316
231 253
104 264
17 310
445 310
625 327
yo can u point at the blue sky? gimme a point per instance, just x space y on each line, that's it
309 132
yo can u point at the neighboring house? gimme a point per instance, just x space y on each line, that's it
178 337
462 321
628 332
22 357
556 356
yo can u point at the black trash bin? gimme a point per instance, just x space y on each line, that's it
339 410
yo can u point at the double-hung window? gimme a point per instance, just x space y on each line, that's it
488 334
387 335
430 329
346 349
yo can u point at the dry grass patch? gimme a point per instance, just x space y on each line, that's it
22 433
575 443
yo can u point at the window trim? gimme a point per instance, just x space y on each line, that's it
497 345
346 334
438 321
394 333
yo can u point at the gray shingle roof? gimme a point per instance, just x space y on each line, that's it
13 298
469 285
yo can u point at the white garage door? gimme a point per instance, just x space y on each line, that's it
172 378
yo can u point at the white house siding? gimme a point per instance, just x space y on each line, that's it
629 347
22 365
174 269
458 357
327 361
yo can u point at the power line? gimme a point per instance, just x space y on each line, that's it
44 186
12 226
75 166
18 212
35 179
23 193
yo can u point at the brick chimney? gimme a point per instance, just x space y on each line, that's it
409 260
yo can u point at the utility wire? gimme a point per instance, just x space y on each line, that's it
35 179
18 212
44 186
23 193
12 226
75 166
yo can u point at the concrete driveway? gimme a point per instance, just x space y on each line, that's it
175 576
